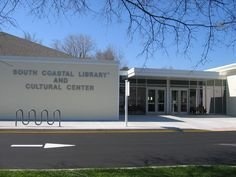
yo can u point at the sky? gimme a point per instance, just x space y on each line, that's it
113 34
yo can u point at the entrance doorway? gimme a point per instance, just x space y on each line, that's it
179 101
156 100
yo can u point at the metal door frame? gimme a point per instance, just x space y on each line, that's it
156 100
179 100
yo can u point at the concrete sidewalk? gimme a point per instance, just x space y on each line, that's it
140 122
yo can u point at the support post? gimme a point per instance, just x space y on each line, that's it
127 92
168 101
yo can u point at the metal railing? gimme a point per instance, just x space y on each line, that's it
32 115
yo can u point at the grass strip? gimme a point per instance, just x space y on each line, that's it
189 171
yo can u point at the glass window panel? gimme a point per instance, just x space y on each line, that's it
122 79
224 102
200 97
161 107
183 100
224 96
193 83
132 82
151 107
151 96
122 99
161 96
210 83
192 100
218 97
151 100
218 82
161 100
141 100
224 83
201 83
156 82
179 82
141 82
210 99
132 99
174 101
174 97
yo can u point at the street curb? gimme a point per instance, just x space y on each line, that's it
120 168
87 131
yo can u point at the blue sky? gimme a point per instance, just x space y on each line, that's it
114 34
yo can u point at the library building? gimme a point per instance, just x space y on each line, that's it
40 81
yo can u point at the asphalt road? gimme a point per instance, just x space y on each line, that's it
117 149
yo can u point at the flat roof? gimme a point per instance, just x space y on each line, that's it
173 73
225 70
5 59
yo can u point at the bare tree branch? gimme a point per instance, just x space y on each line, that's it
79 46
109 54
159 23
32 37
7 7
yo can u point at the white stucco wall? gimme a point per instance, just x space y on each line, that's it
87 91
231 95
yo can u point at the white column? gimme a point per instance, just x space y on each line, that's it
168 96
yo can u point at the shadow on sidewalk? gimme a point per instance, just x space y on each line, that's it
148 118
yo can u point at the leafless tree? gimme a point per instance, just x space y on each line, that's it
32 37
111 54
160 23
79 46
108 54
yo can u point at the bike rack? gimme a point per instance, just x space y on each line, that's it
48 121
44 113
17 115
35 117
59 116
29 116
23 119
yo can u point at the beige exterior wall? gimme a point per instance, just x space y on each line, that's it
231 95
80 90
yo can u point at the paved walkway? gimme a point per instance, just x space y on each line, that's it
142 122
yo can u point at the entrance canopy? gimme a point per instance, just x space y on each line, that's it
172 73
170 91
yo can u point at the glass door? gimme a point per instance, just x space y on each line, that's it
192 100
151 100
174 101
156 101
160 101
179 101
183 101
